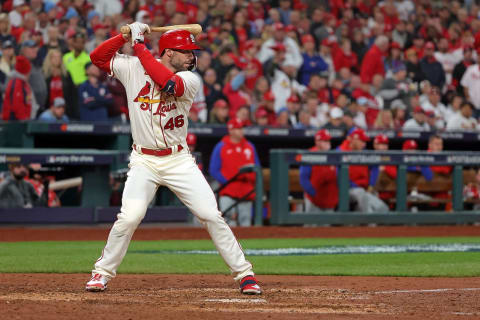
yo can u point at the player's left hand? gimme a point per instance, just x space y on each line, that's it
138 30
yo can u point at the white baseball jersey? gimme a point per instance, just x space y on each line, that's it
158 120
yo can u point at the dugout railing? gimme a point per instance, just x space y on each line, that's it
258 190
282 159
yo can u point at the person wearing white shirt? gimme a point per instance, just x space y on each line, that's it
15 15
417 123
433 104
463 120
448 59
471 84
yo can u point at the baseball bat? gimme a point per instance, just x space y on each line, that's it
192 28
65 184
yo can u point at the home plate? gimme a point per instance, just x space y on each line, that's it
237 300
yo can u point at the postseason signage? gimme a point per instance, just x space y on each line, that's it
79 128
221 130
383 158
61 158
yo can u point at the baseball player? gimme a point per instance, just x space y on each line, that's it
160 94
320 182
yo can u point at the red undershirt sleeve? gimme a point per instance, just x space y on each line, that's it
167 80
103 54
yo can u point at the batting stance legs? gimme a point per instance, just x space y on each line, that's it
180 173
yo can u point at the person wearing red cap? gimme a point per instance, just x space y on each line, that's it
325 52
219 112
292 55
431 68
228 156
249 62
394 59
293 105
380 143
160 94
343 56
391 171
267 105
418 122
319 182
261 117
313 63
100 31
18 99
359 175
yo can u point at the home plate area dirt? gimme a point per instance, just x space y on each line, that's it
61 296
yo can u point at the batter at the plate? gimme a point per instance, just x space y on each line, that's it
160 94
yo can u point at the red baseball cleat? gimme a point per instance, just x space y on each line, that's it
97 283
249 285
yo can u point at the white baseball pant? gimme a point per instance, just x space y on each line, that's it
179 173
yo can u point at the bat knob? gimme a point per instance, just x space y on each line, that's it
125 30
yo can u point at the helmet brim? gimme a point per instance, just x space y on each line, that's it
188 47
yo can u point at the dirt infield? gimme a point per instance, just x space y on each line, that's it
46 296
61 296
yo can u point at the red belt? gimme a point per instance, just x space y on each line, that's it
159 152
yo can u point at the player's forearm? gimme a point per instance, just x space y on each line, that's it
164 77
103 54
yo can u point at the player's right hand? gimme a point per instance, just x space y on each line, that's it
138 30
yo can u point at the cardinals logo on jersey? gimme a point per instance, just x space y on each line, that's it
142 96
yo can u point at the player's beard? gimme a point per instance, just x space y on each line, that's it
178 64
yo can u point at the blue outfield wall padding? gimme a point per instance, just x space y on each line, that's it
155 214
47 215
86 215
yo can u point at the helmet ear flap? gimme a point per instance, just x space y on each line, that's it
193 66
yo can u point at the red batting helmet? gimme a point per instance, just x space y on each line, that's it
177 39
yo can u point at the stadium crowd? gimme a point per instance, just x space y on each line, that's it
339 65
335 64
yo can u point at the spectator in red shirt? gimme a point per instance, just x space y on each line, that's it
229 155
248 62
343 57
373 61
55 75
319 182
17 103
240 31
268 105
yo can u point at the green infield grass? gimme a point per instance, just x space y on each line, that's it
181 256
